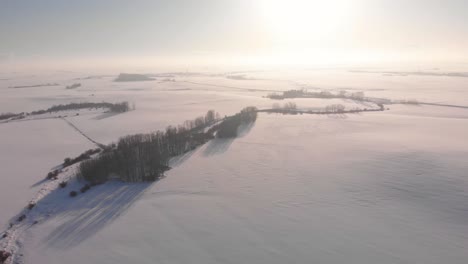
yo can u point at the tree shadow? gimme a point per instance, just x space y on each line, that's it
178 160
106 115
414 179
244 129
40 182
217 146
220 145
81 217
57 167
337 116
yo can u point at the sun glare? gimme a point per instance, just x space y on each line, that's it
305 20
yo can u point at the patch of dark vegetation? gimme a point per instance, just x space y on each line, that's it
63 184
355 96
31 205
73 86
303 93
34 86
83 156
73 194
291 109
409 101
21 218
240 77
229 127
132 77
52 175
85 188
4 255
94 77
113 107
4 116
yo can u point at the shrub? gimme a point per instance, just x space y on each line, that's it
85 188
73 194
31 205
67 161
63 184
83 156
4 255
52 175
21 218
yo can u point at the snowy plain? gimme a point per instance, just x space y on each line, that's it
383 187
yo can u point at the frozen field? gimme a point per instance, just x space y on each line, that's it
383 187
29 150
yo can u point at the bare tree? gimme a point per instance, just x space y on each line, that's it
290 106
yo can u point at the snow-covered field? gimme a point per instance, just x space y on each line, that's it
382 187
29 150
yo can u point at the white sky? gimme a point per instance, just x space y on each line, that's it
265 32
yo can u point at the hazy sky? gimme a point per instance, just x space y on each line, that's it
256 31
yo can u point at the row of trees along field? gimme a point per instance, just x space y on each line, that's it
230 126
113 107
145 157
303 93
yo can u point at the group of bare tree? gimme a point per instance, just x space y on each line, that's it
145 157
289 106
335 108
303 93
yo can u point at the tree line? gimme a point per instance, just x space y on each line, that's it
145 157
73 86
113 107
4 116
303 93
230 126
329 109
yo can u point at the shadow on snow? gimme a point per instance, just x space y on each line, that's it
83 216
79 218
220 145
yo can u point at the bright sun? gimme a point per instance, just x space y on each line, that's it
305 20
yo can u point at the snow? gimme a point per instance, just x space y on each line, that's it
380 187
29 150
